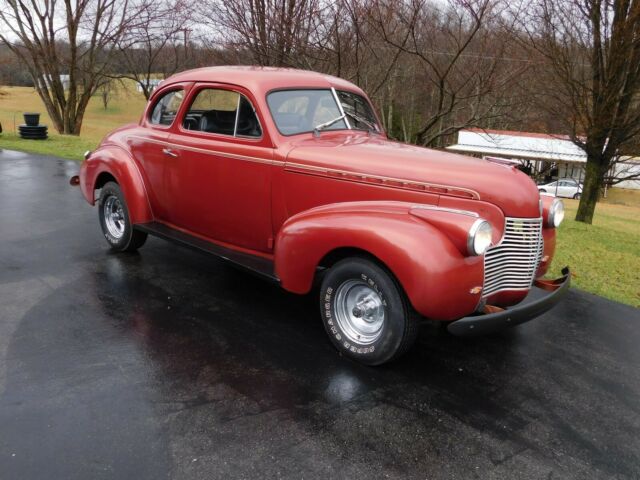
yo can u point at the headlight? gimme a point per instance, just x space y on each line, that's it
479 238
556 214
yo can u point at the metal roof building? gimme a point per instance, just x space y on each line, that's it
521 145
555 155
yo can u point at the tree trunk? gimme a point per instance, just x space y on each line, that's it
593 181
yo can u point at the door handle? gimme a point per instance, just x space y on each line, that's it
169 152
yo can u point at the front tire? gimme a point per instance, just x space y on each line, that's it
576 196
365 313
115 222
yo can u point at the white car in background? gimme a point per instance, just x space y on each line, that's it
566 187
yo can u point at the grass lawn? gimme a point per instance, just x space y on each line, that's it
125 107
604 257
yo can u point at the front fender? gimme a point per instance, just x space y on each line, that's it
438 279
117 162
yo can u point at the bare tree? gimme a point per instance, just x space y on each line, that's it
458 50
591 53
72 38
274 32
158 43
107 92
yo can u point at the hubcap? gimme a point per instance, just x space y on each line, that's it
359 312
114 216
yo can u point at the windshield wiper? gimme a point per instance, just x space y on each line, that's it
322 126
358 118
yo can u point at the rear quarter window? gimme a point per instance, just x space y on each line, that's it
166 108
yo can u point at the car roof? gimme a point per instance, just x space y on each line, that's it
261 80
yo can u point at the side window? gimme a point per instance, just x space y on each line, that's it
247 124
166 108
221 111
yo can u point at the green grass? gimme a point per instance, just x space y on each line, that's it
62 146
125 107
604 257
623 196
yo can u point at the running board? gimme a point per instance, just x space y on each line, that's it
253 263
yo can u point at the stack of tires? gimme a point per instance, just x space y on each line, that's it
32 130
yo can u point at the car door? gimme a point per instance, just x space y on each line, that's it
550 187
149 145
219 178
565 189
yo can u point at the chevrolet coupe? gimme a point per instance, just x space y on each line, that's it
289 174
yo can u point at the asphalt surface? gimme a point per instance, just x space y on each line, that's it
171 364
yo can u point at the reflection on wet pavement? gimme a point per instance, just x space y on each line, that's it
170 364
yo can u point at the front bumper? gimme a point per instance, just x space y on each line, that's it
498 318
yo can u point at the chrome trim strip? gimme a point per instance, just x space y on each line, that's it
235 156
448 210
235 125
337 99
383 181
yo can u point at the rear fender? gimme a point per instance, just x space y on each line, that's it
440 281
117 162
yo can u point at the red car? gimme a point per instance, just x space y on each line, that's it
290 174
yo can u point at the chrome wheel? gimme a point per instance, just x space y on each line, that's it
359 311
114 216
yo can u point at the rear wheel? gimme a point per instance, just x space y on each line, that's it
115 222
576 196
365 313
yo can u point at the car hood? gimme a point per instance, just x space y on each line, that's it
504 186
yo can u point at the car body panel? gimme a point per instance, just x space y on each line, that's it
417 252
115 161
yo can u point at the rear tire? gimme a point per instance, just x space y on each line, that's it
115 222
576 196
365 312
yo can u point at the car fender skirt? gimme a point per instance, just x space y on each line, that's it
496 318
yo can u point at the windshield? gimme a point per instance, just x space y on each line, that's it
301 111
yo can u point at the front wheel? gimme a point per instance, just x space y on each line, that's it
576 196
365 313
115 222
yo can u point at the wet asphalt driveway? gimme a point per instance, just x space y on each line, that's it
170 364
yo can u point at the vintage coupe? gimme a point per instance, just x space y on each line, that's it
289 174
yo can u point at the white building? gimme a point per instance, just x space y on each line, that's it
555 155
63 78
631 166
153 83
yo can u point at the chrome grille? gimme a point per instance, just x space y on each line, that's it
512 264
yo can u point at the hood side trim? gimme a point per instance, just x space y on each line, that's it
366 178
